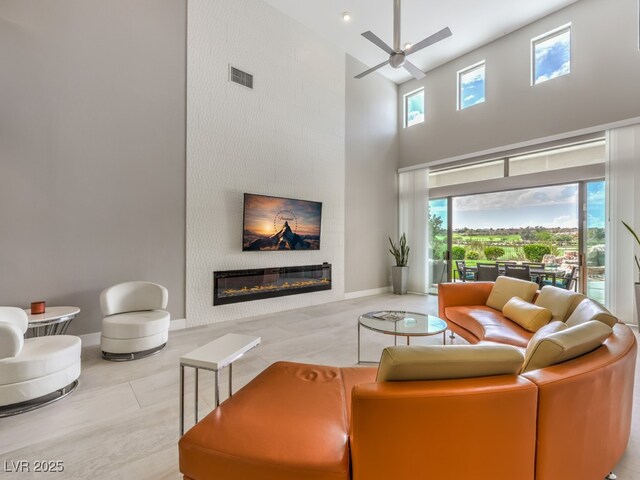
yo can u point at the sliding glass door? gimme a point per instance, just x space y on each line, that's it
439 242
534 225
561 225
544 206
593 270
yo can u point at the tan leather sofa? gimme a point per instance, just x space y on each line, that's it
570 421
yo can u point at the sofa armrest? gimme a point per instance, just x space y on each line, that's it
462 294
470 428
11 340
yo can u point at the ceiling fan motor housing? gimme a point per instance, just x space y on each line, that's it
397 59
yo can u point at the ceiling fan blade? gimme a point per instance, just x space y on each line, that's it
373 38
435 38
372 69
413 70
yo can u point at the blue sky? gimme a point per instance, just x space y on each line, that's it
595 204
555 206
415 108
472 87
553 57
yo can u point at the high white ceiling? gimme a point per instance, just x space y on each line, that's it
473 23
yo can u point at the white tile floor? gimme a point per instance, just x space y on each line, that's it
122 421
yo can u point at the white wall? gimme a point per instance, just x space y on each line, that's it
92 151
284 138
623 197
602 86
372 156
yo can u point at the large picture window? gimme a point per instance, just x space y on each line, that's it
551 55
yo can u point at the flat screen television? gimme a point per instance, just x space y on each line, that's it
276 224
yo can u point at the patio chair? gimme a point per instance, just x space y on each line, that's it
534 264
568 282
487 272
464 272
518 271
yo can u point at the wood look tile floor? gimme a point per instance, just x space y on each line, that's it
122 421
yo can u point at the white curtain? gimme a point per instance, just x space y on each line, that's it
413 221
623 201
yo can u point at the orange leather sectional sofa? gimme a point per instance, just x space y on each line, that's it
570 421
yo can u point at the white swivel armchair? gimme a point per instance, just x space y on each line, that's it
135 323
36 371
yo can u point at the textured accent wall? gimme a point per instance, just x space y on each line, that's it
285 138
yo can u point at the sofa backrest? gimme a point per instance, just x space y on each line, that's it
445 362
546 349
589 310
134 296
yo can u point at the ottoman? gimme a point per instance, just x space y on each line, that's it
290 423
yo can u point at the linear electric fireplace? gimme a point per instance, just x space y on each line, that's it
234 286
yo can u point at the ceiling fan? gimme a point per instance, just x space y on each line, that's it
397 56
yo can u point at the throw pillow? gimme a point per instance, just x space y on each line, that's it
505 288
529 316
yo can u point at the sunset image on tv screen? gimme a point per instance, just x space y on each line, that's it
274 223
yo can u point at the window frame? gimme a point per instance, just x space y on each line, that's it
471 68
567 27
405 102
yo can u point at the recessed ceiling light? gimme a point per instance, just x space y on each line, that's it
346 16
407 46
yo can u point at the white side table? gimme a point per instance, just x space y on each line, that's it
214 356
54 321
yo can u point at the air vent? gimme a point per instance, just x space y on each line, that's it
241 78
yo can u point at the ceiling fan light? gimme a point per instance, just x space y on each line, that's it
408 45
346 16
397 60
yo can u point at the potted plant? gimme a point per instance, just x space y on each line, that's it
400 272
635 235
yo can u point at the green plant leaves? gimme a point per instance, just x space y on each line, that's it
635 235
400 252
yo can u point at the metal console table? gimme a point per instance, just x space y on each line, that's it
214 356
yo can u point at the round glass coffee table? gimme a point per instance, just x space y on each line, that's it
401 324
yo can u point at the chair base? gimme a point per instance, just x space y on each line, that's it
127 357
27 406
